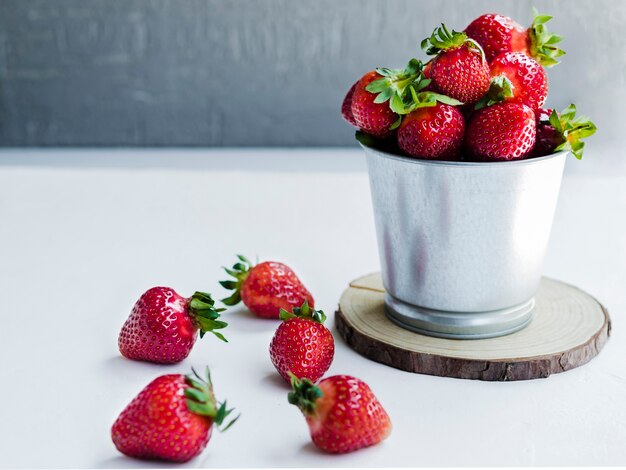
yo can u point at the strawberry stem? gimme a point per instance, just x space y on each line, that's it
395 86
200 399
239 272
572 129
443 39
499 89
202 310
305 311
542 42
304 394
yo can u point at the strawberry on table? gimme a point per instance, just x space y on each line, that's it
459 69
342 413
434 132
505 131
171 419
498 34
519 79
265 288
302 345
563 131
163 325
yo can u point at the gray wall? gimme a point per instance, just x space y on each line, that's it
251 72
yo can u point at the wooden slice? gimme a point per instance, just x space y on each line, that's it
569 329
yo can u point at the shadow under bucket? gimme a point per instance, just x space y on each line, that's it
462 244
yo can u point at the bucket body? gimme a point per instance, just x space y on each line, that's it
462 244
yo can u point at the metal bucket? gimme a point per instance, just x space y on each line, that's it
462 244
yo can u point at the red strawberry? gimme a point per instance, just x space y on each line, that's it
460 70
382 95
548 138
432 132
498 34
527 80
163 326
171 419
265 288
501 132
371 117
427 69
346 106
427 75
342 413
562 131
302 345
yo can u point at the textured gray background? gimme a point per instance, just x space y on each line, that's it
251 72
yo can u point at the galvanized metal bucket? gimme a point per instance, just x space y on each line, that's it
462 244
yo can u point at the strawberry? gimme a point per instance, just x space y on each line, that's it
562 131
519 79
459 69
163 326
427 69
346 106
342 413
498 34
265 288
381 96
432 132
371 117
503 131
548 138
302 345
171 419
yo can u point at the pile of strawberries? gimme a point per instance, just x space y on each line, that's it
173 416
479 97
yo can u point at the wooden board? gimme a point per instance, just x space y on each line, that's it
569 329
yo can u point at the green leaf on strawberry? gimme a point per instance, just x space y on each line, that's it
305 311
304 394
395 84
239 272
572 129
200 399
499 89
203 312
443 39
542 42
427 99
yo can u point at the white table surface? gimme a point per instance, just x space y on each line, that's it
83 233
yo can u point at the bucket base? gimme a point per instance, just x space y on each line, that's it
459 325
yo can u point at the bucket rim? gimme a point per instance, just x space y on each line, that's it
503 164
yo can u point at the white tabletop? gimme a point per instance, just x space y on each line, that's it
83 233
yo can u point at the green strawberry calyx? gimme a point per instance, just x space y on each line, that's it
304 394
239 272
542 42
427 99
397 87
402 88
573 129
500 89
305 311
201 307
442 39
200 399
